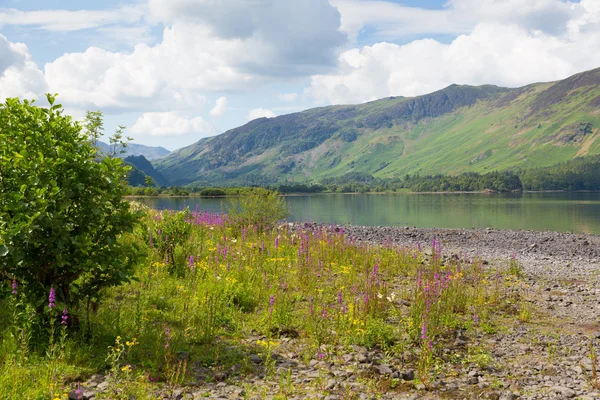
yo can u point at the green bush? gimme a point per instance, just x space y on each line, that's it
61 205
260 208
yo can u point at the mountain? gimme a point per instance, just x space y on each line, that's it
142 168
454 130
132 149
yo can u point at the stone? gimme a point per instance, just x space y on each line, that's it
381 369
408 375
563 391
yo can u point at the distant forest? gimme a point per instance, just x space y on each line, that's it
581 173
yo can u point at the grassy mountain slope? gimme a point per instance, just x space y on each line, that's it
133 149
454 130
142 168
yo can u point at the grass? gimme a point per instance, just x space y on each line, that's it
209 296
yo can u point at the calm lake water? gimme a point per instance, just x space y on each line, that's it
564 212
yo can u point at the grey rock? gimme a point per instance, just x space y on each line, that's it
381 369
408 375
563 391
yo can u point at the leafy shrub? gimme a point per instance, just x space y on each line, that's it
61 206
260 208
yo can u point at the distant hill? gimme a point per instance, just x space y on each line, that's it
132 149
454 130
142 168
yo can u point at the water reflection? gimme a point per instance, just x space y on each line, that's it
574 212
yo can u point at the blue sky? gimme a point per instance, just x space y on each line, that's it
174 71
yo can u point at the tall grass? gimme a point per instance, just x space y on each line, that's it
203 285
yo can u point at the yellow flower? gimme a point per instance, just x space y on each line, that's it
126 368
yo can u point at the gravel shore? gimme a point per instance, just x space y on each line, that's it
546 254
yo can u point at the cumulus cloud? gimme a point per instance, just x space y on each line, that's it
66 20
220 107
203 49
19 75
503 53
260 113
390 20
171 124
291 37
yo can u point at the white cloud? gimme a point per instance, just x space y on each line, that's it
204 49
284 38
171 124
66 20
260 113
499 53
391 21
19 75
220 107
288 97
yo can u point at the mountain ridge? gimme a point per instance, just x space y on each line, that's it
460 128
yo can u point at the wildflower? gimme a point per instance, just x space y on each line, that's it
424 331
475 319
51 298
65 316
277 242
324 314
126 368
79 393
191 262
339 297
321 356
14 287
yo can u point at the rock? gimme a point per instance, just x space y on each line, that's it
408 375
509 396
381 370
331 384
564 392
473 380
256 359
102 386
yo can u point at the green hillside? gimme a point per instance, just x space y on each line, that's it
454 130
141 168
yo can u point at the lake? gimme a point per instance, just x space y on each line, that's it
563 212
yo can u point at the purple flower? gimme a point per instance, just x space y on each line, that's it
277 242
65 316
14 287
324 314
271 301
475 319
191 262
321 356
339 297
51 298
424 331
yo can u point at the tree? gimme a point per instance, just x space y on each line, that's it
62 210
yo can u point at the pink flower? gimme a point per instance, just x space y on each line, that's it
51 298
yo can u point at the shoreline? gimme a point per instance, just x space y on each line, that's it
400 192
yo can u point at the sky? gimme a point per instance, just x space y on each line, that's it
175 71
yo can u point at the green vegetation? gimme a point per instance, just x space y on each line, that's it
169 294
61 211
460 129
